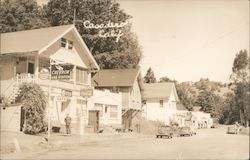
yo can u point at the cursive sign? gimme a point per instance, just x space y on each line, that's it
113 33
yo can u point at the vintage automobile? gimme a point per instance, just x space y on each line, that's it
186 131
233 130
164 131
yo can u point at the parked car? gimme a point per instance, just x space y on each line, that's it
233 130
164 131
186 131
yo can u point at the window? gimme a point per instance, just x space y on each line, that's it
106 109
113 111
70 44
63 42
81 76
99 107
161 103
66 43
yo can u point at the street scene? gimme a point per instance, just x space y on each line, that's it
207 144
117 79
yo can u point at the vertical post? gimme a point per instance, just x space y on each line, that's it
74 20
49 94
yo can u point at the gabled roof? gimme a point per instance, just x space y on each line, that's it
30 40
38 40
115 77
159 91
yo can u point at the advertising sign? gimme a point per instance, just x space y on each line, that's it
86 92
61 71
66 93
61 99
44 73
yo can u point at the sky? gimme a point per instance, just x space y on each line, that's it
187 40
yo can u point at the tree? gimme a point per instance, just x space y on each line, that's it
149 77
34 103
18 15
241 85
166 79
110 52
186 94
208 101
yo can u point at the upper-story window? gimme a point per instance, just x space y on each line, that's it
68 44
81 76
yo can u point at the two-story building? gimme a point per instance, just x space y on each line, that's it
129 83
159 102
34 55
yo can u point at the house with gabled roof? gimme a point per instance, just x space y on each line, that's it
159 101
58 60
129 83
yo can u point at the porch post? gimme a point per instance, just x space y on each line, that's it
36 66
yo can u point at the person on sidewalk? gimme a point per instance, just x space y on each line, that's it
67 121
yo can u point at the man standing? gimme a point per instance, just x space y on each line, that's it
67 121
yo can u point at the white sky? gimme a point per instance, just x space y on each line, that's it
189 39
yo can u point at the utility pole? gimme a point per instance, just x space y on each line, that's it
74 20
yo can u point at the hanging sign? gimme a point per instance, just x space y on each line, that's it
86 92
114 32
61 71
44 73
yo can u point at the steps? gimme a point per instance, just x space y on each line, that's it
14 94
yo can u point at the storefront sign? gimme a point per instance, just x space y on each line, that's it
61 99
60 71
66 93
114 32
86 92
44 73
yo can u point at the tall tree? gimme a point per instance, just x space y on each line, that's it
241 87
18 15
186 94
105 28
149 77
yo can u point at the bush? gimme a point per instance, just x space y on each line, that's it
34 103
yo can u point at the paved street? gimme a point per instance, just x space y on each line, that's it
207 144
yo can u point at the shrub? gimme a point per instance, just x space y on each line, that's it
34 103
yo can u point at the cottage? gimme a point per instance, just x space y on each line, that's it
129 83
108 108
32 56
160 101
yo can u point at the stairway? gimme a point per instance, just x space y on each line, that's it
14 94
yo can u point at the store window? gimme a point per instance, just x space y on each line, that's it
113 111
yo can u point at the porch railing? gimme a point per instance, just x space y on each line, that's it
26 78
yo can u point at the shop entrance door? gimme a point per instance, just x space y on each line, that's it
94 120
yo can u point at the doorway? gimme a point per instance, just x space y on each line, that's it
31 68
94 120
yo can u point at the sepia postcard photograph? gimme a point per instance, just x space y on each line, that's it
124 79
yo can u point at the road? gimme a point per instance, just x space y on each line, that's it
207 144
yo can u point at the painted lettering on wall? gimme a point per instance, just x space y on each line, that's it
116 31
